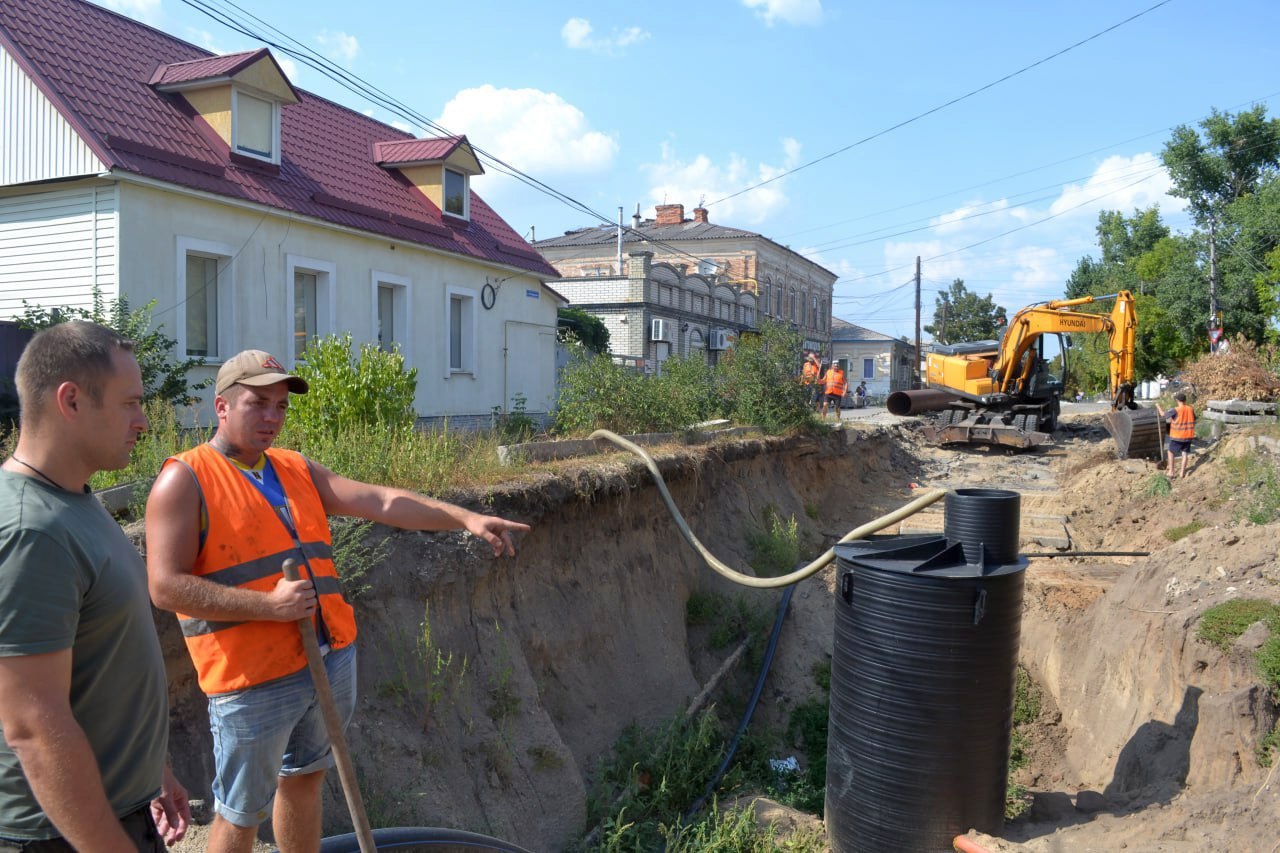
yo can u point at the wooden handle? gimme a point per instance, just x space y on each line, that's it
332 722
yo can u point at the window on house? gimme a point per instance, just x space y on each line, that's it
706 267
768 297
254 126
455 194
460 334
868 368
813 312
201 300
304 310
386 316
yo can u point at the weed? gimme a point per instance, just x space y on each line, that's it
700 609
1222 624
503 701
497 759
776 550
440 678
737 619
353 556
736 830
545 758
1268 746
1256 485
1016 800
1173 534
822 674
1026 708
1026 698
405 656
1157 486
652 777
514 426
812 510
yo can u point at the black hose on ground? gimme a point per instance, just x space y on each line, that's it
406 838
751 705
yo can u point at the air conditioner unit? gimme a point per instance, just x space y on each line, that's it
720 339
660 331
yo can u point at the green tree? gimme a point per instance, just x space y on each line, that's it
587 329
960 315
163 378
1224 162
758 381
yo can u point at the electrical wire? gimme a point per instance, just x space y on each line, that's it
949 103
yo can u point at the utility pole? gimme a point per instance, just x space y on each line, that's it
619 239
915 367
1215 315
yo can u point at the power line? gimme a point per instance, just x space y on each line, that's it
943 106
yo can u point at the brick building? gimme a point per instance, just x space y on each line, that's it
673 286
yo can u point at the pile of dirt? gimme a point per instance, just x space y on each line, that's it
1237 374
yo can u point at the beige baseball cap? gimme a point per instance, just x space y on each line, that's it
256 368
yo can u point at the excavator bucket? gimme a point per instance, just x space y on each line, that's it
1136 431
970 432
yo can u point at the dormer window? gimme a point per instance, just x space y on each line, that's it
456 194
239 96
440 168
255 127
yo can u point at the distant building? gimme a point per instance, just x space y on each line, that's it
678 287
883 362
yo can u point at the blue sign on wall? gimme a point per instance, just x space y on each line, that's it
532 294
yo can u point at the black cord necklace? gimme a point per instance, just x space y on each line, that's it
42 474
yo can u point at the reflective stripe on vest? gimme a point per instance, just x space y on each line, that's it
836 383
1183 426
245 547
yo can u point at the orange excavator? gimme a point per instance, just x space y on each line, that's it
1008 392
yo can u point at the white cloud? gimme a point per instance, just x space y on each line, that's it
797 12
399 125
142 10
535 131
289 67
577 35
687 182
1120 183
338 46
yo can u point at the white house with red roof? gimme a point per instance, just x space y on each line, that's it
255 214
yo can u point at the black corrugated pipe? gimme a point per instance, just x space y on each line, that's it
915 402
922 680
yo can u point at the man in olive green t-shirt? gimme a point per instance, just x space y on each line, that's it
83 693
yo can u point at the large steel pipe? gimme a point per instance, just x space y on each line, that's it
915 402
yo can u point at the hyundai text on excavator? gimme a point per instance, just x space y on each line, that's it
1005 392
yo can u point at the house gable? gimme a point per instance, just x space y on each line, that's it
36 142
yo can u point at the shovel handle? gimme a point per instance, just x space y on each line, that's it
332 722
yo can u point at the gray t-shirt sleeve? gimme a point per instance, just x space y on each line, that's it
40 595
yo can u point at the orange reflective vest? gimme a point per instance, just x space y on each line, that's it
809 375
835 382
245 546
1183 425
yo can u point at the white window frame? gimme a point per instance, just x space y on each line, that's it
400 305
466 193
470 321
235 127
326 273
225 255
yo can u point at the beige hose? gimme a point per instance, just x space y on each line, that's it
929 497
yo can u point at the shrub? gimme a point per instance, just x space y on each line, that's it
1173 534
163 378
1222 624
596 393
371 389
757 379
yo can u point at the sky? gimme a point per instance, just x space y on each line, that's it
983 137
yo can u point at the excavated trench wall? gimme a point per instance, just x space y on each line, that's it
489 689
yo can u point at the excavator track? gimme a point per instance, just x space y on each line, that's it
1137 433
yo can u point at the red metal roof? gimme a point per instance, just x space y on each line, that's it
206 68
97 68
414 150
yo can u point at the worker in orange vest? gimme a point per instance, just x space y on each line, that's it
809 377
834 386
1182 429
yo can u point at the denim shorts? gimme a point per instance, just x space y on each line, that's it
274 729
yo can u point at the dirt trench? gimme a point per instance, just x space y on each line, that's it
491 689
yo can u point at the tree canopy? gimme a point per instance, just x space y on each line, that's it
960 315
